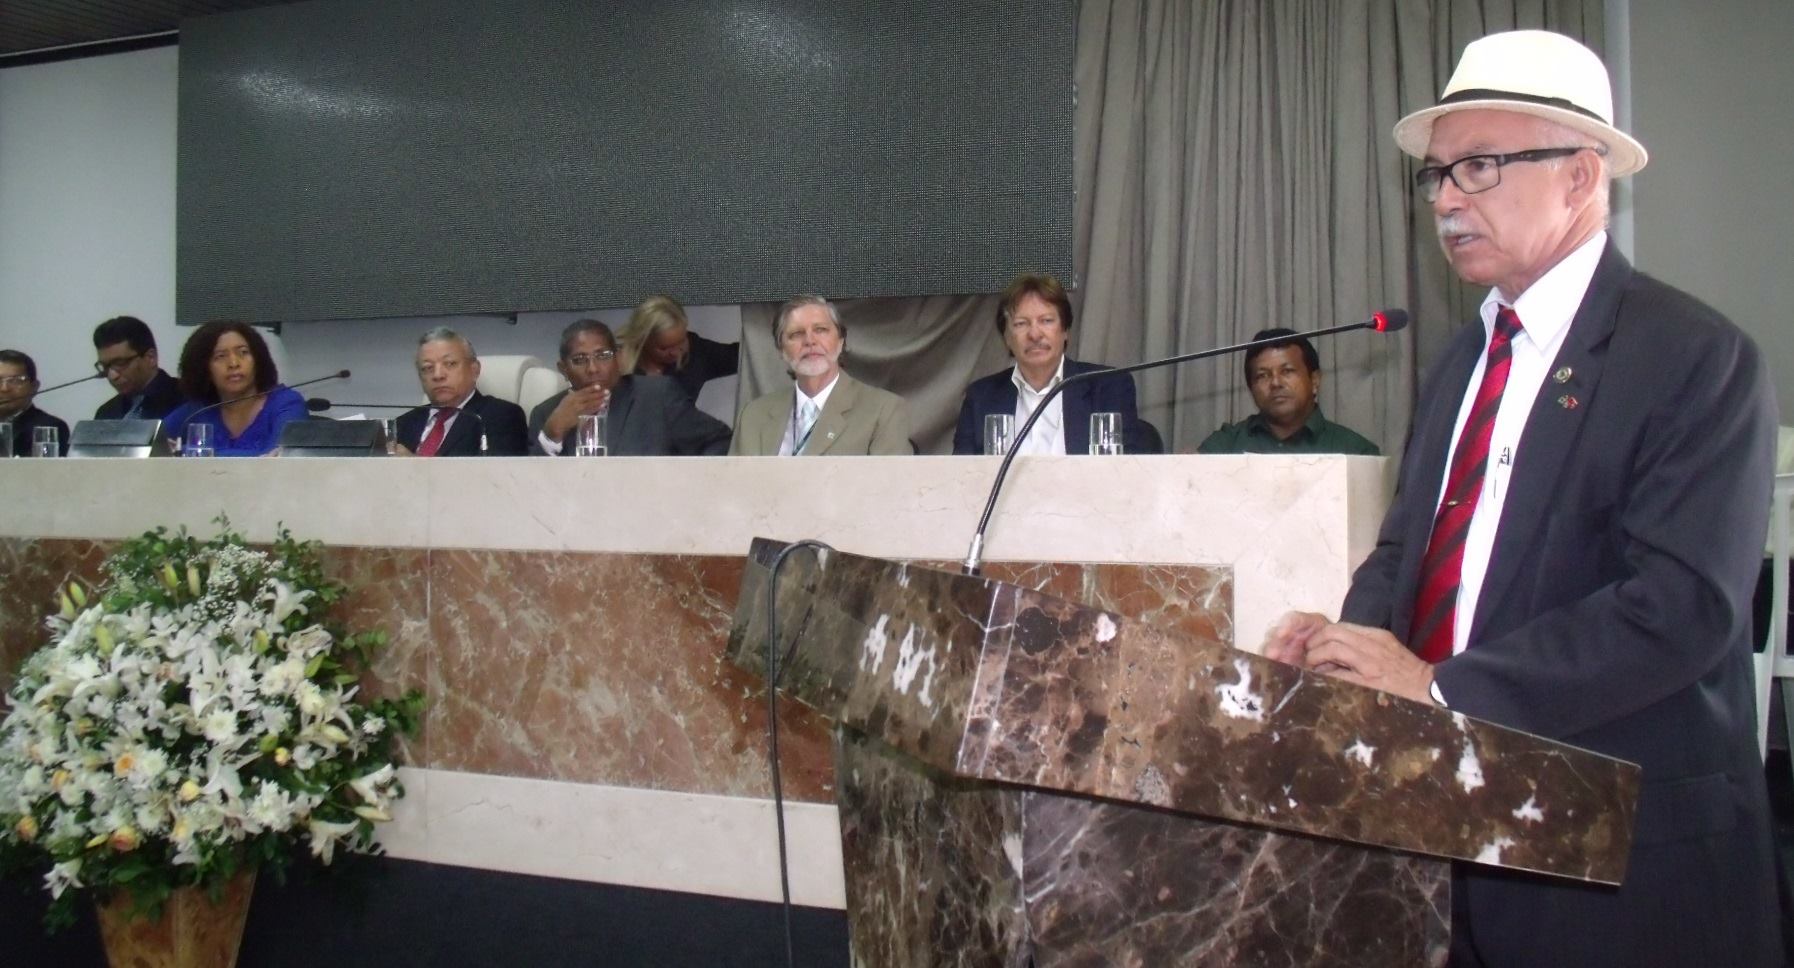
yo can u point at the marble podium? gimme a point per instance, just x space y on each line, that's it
1024 780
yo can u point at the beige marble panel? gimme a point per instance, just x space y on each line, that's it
1290 528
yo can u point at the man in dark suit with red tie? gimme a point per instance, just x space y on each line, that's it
459 420
1577 527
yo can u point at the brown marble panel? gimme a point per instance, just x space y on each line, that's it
1070 698
1110 884
929 884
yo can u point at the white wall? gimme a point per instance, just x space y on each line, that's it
87 220
1712 92
87 162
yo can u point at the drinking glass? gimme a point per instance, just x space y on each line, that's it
594 434
199 441
46 442
999 433
389 429
5 440
1105 433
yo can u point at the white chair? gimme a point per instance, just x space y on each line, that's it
1774 663
538 384
502 376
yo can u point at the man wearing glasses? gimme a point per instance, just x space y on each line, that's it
648 416
18 385
1579 522
126 356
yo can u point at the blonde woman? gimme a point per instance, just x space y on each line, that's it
658 340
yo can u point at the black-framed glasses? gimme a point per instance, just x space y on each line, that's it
583 360
1479 173
19 380
115 366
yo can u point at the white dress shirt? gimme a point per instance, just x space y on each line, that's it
1545 310
788 442
1048 435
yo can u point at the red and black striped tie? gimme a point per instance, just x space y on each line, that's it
1440 574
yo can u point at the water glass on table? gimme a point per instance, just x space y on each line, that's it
593 435
199 441
1105 433
5 440
999 433
46 442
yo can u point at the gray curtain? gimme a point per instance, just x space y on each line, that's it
1234 170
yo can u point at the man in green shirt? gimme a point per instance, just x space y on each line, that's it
1285 380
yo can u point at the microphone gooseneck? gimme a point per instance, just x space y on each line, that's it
1383 321
70 383
338 375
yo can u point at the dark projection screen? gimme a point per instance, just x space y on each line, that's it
346 159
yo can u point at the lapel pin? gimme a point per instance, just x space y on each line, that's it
1563 374
1568 402
831 435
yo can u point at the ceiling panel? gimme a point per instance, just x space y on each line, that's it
29 27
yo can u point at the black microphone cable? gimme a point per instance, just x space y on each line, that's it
775 666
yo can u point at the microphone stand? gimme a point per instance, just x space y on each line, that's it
1386 321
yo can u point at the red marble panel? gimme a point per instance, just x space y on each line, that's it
604 669
31 572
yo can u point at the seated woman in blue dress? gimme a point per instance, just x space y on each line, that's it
231 383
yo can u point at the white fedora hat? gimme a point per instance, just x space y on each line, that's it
1532 72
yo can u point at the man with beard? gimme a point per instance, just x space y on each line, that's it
1577 527
1285 380
648 416
828 413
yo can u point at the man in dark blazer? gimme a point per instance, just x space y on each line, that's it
459 421
125 353
648 416
1035 322
18 388
1577 528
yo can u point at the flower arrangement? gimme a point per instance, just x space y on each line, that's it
193 716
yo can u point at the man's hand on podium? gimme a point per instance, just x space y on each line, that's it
1356 653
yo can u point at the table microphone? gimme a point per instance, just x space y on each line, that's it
338 375
1383 321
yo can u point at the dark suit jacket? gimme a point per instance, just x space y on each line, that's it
1615 616
996 394
501 421
650 416
707 360
30 419
160 397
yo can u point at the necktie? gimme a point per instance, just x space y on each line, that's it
1441 572
433 440
136 408
807 412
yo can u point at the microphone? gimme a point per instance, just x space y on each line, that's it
338 375
1383 321
316 404
71 383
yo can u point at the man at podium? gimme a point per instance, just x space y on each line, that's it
1580 516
